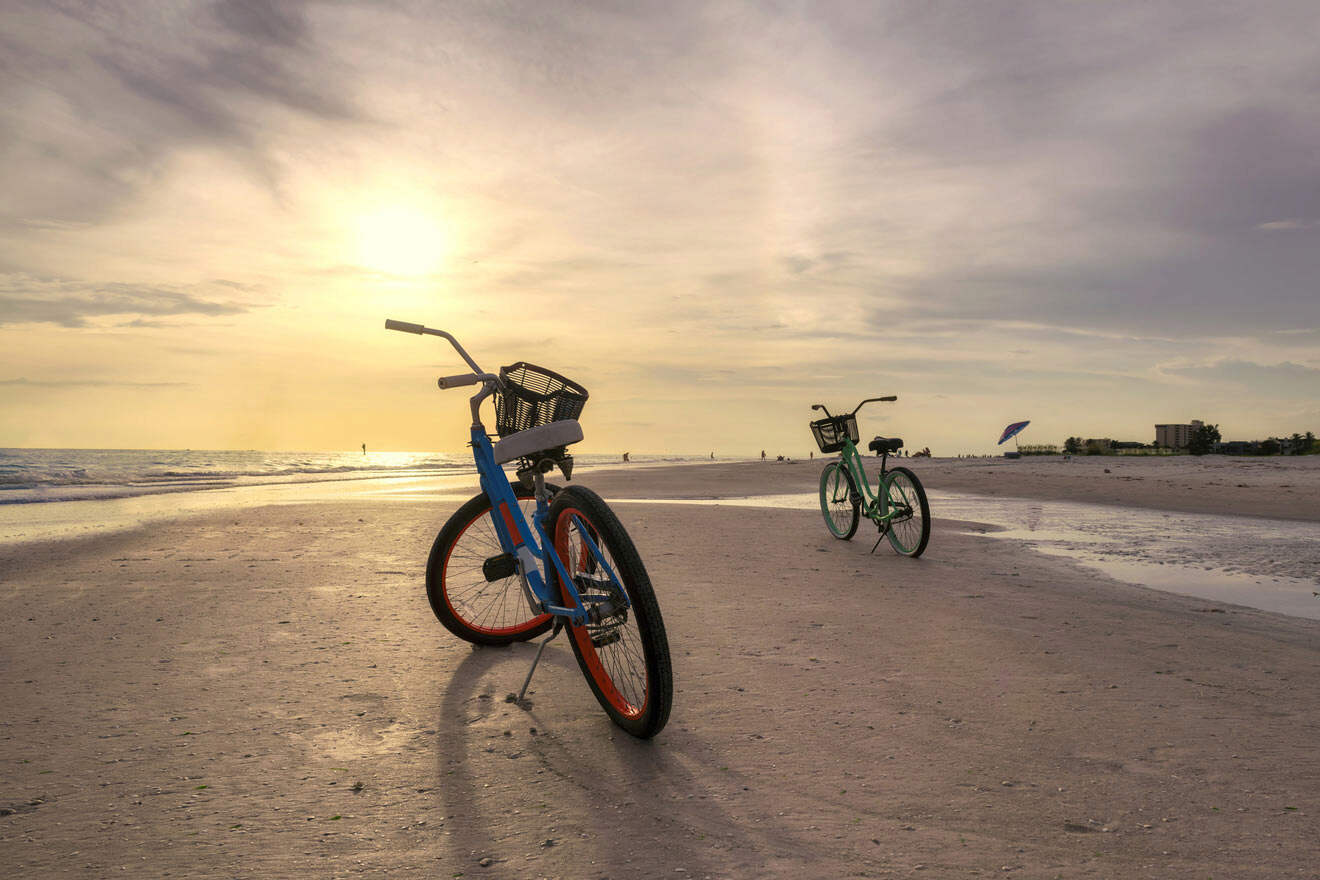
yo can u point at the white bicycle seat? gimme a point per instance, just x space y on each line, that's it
534 440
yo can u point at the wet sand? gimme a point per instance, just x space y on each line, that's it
264 693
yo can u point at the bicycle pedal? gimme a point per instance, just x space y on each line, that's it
497 568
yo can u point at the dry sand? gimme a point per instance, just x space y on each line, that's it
264 693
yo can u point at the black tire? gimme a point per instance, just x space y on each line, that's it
470 607
839 501
625 657
908 534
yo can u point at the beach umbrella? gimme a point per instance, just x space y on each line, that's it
1012 431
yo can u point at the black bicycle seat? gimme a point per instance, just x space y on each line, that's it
886 444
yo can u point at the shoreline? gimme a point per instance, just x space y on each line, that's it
1286 488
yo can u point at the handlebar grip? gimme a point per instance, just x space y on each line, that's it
404 326
890 399
447 382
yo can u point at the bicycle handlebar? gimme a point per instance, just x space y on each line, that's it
890 398
406 327
887 399
447 382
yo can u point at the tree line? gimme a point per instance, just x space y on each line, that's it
1206 438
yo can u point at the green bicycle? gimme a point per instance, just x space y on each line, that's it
898 507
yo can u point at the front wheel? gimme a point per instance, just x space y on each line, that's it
909 531
839 501
625 654
486 609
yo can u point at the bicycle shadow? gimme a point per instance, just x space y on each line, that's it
579 797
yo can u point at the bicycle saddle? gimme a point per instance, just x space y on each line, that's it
886 444
527 443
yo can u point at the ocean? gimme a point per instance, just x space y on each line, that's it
41 475
54 494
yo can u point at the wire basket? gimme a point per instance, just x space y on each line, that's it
832 432
534 396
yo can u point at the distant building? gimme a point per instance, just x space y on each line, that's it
1176 436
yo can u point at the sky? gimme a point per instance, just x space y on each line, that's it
1096 216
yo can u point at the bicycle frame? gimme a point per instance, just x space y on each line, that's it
875 506
529 543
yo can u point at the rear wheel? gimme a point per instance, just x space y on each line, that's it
624 654
474 589
909 532
839 501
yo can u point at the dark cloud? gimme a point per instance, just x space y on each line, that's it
96 98
1132 168
1245 286
69 303
277 24
1272 380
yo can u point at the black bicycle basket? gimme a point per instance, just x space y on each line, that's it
830 433
535 396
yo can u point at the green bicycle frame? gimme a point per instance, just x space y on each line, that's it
875 506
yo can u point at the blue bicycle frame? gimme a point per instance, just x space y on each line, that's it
529 544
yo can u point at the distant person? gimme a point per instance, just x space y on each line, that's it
811 455
625 457
364 449
762 455
712 456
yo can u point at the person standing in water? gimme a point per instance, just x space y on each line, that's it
364 449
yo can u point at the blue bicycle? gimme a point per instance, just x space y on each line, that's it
525 555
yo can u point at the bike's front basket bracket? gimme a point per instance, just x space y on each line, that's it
831 433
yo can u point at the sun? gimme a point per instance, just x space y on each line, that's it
400 240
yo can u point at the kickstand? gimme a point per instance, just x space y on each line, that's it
559 624
884 531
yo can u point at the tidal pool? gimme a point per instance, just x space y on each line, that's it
1270 564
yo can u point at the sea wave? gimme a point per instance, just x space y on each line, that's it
64 474
43 475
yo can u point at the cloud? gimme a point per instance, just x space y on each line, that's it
87 383
25 299
1288 225
96 98
1270 380
905 190
1112 171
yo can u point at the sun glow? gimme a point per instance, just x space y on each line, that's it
400 240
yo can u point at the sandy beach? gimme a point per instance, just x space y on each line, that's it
263 692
